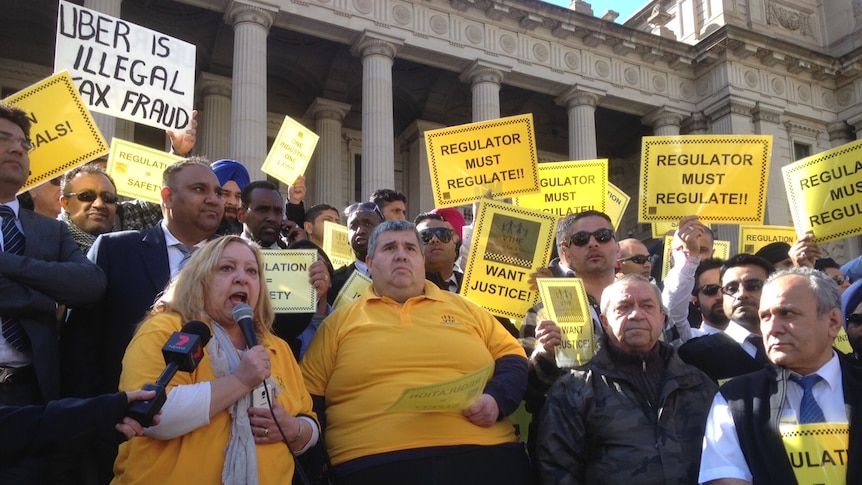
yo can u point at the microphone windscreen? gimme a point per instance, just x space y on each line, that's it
242 311
196 327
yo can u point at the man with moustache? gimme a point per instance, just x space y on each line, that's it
441 251
315 220
851 307
362 219
739 349
233 177
633 414
807 392
89 200
708 298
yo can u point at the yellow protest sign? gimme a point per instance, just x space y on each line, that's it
62 130
286 273
509 243
618 201
720 249
823 193
336 244
454 395
818 452
721 178
660 229
354 287
137 170
569 188
467 161
842 342
752 238
565 300
290 152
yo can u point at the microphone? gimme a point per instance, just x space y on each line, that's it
244 317
183 351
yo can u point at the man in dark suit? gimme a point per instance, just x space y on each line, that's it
362 219
739 348
40 267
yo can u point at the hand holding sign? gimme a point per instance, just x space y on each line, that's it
805 252
483 412
183 142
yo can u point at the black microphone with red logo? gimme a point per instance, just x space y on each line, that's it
183 352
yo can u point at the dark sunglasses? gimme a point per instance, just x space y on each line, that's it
854 319
90 196
749 285
582 238
839 279
709 290
636 259
441 233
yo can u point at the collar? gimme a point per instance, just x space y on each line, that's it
361 267
737 332
14 205
171 240
709 329
431 293
248 237
830 372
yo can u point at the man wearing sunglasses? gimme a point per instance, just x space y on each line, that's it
634 258
40 267
708 298
851 307
89 200
441 251
739 349
807 389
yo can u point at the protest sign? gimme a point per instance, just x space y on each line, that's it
468 161
286 274
565 300
62 130
752 238
336 244
818 452
618 201
354 287
509 243
125 70
137 170
454 395
720 249
720 178
823 193
569 188
292 149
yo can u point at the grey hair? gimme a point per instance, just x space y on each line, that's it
825 290
394 226
631 277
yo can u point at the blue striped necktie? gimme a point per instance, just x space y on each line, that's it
809 410
187 250
13 242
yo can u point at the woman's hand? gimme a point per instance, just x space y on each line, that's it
263 423
254 367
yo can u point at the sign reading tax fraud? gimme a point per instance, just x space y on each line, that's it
823 193
125 70
468 161
569 188
721 178
510 243
62 130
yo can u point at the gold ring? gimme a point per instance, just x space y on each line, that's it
265 432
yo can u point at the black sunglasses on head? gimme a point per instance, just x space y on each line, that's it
636 259
441 233
709 290
90 196
749 285
582 238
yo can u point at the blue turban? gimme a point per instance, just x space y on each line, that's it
227 170
850 299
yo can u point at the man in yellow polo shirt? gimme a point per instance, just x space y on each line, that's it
405 333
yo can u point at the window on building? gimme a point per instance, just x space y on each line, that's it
801 150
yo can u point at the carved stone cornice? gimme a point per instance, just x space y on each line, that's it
697 122
839 130
762 112
239 12
794 128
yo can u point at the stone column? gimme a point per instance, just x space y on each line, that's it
696 124
580 103
767 119
419 186
664 121
107 124
378 150
215 117
484 79
248 108
327 166
839 134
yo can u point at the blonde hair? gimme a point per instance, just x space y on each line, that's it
186 294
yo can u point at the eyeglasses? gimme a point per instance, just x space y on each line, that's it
839 279
442 233
709 290
582 238
90 196
732 288
8 139
854 319
636 259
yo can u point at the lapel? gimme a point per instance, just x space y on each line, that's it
34 233
154 257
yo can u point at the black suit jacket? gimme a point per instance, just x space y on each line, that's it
52 270
94 340
339 278
719 356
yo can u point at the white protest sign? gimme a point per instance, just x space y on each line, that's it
125 70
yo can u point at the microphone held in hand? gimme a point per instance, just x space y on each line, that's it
183 351
244 317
